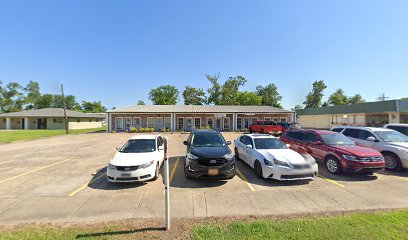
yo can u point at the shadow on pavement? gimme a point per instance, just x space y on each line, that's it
102 234
100 182
249 174
347 177
180 181
397 174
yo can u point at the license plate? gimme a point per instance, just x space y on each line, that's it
125 174
213 172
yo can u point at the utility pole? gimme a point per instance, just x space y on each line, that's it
65 110
382 97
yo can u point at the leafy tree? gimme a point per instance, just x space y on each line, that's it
325 104
93 107
338 98
12 98
32 91
356 99
55 101
270 95
404 98
297 108
194 96
314 98
230 90
164 95
215 90
249 98
141 102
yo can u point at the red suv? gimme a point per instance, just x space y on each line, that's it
336 151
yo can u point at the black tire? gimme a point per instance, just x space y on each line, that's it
236 154
156 173
333 165
186 173
258 169
392 162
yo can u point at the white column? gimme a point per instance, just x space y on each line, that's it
108 123
26 123
8 123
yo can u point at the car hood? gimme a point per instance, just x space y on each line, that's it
357 150
399 144
286 155
132 159
214 152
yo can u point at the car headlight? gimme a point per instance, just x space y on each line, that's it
192 156
350 157
146 165
111 167
268 163
281 163
229 156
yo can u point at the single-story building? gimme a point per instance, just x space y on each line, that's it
187 117
50 118
373 114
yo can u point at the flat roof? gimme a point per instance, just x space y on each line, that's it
198 109
52 112
369 107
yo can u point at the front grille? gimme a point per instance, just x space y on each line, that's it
297 176
301 166
212 162
127 178
370 159
125 169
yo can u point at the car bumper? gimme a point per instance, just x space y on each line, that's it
365 167
226 171
290 174
138 175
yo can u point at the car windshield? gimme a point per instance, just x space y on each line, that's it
336 139
391 136
139 146
268 143
208 140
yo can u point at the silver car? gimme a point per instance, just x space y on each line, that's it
392 144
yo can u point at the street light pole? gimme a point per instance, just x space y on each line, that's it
65 110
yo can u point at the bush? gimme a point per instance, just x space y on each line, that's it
141 130
133 130
150 130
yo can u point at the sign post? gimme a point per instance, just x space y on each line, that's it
166 185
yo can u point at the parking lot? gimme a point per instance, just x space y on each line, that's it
63 179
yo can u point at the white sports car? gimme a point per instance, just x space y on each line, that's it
139 159
270 158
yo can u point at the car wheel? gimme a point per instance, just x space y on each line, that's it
156 173
392 162
258 169
236 154
333 165
186 173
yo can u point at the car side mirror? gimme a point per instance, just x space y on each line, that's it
371 139
160 148
117 149
288 145
249 146
228 142
185 143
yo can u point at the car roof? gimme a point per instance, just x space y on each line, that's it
258 135
204 131
145 136
397 124
318 131
367 128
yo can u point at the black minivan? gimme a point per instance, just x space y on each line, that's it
208 156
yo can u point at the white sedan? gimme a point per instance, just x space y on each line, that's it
270 158
139 159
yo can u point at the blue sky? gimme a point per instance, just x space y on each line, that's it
116 51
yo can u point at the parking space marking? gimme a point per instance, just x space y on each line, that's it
5 162
33 171
173 171
245 180
86 185
332 181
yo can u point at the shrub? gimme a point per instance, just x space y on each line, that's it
133 130
141 130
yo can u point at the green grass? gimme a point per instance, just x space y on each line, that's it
390 225
7 136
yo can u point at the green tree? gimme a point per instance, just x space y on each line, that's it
55 101
12 98
297 108
164 95
141 102
44 101
325 104
93 107
214 91
230 90
32 91
314 98
404 98
270 95
194 96
249 99
338 98
356 99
